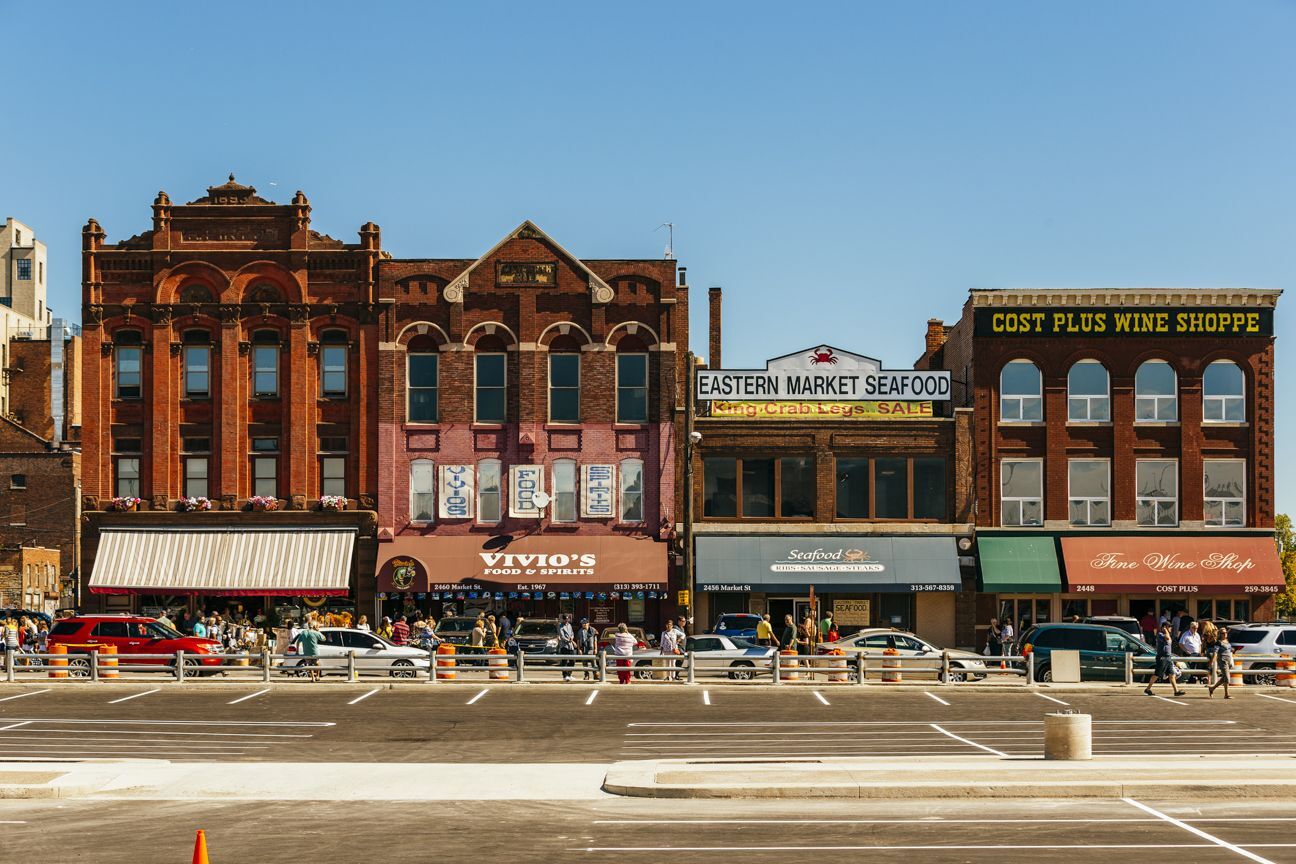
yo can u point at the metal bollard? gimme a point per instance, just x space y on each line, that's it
689 659
351 667
602 667
94 665
265 666
521 666
9 666
1030 669
1129 668
861 669
179 666
945 667
778 678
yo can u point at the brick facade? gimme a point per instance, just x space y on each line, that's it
30 377
40 497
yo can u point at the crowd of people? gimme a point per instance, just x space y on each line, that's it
25 635
1208 640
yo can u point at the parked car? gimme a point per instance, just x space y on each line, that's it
455 629
1122 622
1272 638
872 641
643 641
743 657
130 634
737 625
374 654
537 636
1102 650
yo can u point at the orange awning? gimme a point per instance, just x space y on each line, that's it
1172 564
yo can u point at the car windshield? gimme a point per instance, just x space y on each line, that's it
743 643
538 628
1246 636
737 622
157 630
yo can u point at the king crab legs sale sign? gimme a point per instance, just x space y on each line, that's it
822 374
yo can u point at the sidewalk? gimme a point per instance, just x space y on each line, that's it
1188 777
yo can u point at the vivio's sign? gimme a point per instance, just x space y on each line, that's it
1173 321
822 374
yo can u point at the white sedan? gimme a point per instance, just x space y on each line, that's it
373 654
872 641
715 655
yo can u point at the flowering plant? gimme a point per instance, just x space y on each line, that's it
189 505
264 502
127 502
333 502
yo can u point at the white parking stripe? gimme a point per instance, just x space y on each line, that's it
365 696
966 741
1168 699
249 696
1200 833
593 695
929 820
303 724
478 696
1149 723
706 697
135 696
28 693
1051 699
820 697
1041 847
937 698
14 726
1276 698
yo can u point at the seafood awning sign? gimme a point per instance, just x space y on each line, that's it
822 374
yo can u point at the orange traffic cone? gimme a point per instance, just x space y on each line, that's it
200 849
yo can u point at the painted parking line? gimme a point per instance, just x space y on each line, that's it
1197 831
1276 698
706 697
14 725
928 848
593 695
248 696
134 696
937 698
821 698
28 693
1168 699
478 696
365 696
967 741
936 820
291 724
1051 699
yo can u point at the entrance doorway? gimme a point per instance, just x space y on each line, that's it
797 607
896 610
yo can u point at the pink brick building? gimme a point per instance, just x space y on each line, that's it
527 427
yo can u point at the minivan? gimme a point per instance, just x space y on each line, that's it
1102 650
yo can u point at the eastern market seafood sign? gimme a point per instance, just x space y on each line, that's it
823 374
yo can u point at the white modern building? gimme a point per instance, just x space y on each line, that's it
24 308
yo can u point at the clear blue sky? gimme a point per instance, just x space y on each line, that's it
869 162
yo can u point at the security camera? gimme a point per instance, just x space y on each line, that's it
695 437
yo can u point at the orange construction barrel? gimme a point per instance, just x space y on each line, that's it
788 664
1286 677
445 662
59 661
498 663
891 666
108 662
1236 678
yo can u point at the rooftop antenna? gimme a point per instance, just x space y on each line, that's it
670 242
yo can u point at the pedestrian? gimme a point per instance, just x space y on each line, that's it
477 638
789 637
623 645
308 642
164 620
1147 626
1222 660
505 628
42 638
832 635
680 639
566 645
1007 636
491 635
385 628
668 647
199 629
826 625
587 643
1190 641
1165 665
400 631
1181 620
992 639
363 623
11 638
765 632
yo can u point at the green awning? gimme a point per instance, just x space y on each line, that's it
1019 565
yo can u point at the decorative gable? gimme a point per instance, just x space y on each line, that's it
537 274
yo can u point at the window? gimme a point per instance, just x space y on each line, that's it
422 482
128 353
719 487
24 269
1223 393
1087 395
564 388
1089 496
128 477
195 294
796 487
111 629
853 500
421 371
1155 393
632 490
333 475
1158 492
195 476
754 487
265 480
890 488
564 484
333 364
490 402
758 488
632 388
929 488
197 364
1020 394
489 498
1225 488
1021 492
41 268
266 445
265 363
17 481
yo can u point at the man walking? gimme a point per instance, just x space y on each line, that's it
566 645
308 642
824 626
669 646
1165 667
587 643
400 631
765 632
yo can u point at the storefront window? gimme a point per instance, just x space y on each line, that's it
757 488
929 488
564 484
1225 487
1022 492
422 484
632 490
1089 498
797 487
1223 393
1087 398
719 487
488 490
1155 393
890 488
1158 492
1020 393
853 489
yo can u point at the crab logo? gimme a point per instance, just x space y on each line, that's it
822 355
856 555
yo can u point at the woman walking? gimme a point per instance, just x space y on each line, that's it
992 639
623 645
1221 654
1165 666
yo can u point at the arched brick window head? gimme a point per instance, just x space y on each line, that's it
196 294
263 293
1021 394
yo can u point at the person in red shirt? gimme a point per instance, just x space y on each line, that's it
400 632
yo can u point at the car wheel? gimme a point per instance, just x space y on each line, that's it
955 676
643 670
402 669
1268 679
1044 675
192 667
79 667
742 670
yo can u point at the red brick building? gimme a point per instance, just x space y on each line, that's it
1125 449
39 507
526 431
229 352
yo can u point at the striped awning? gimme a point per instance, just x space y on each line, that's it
295 561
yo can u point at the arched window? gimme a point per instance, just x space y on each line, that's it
1087 392
195 294
564 380
564 486
422 365
1223 393
490 402
489 497
333 364
265 363
264 293
1020 392
422 481
128 356
1156 393
632 490
197 364
631 381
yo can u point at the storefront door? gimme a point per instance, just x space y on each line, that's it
896 610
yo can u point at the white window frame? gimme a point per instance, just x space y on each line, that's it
1223 402
1018 399
258 370
577 357
564 491
205 392
324 350
1157 401
1088 401
484 492
410 388
645 387
1089 501
1017 503
205 479
259 459
119 354
118 461
324 478
1156 501
504 387
1222 503
626 496
429 493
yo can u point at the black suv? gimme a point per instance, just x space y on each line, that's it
1102 650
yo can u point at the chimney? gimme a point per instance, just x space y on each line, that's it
936 334
713 349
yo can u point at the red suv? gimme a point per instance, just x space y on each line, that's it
131 634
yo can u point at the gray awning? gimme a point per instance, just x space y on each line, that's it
847 564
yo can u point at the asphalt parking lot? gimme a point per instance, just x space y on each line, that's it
577 723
